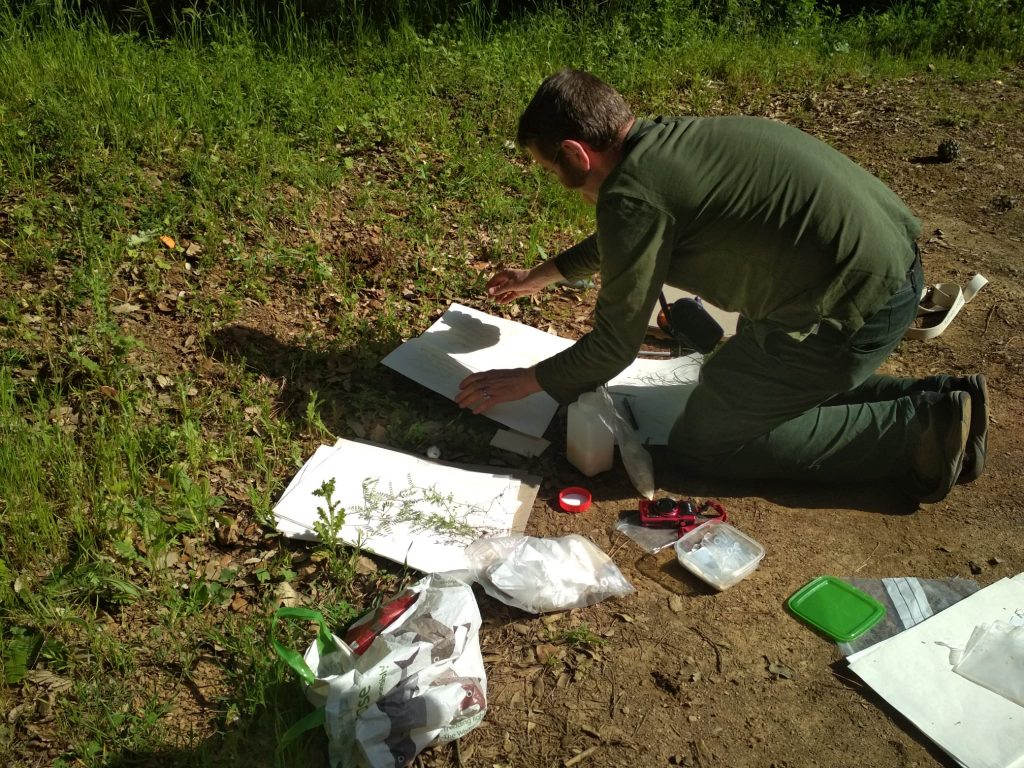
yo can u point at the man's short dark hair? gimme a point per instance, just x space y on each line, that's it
572 104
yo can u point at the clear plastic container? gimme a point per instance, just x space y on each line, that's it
718 553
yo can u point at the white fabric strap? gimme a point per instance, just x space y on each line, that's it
940 303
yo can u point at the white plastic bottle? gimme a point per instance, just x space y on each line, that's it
590 445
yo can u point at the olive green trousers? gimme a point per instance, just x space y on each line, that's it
771 406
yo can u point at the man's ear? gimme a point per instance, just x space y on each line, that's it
577 154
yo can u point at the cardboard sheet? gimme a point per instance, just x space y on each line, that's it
465 340
656 391
518 443
406 508
912 671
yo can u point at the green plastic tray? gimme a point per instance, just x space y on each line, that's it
836 608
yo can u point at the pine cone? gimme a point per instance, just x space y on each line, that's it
949 150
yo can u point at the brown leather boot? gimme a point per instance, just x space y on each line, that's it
977 441
938 457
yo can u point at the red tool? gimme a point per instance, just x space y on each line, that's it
683 515
359 637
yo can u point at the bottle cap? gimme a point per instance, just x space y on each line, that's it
574 499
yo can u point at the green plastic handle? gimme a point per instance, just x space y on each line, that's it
324 639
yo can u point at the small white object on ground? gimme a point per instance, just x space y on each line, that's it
433 452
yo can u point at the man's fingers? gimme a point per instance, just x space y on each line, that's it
477 392
477 401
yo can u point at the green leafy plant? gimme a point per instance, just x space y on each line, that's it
582 637
339 558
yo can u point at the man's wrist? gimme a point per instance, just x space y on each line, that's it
531 380
545 274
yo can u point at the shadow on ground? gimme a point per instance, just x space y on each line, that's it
249 742
882 498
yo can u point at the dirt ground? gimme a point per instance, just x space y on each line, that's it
689 676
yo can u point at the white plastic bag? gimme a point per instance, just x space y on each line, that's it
994 658
636 459
540 575
420 680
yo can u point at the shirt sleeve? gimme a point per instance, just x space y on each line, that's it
634 240
580 261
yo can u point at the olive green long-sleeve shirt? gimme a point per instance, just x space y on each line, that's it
753 215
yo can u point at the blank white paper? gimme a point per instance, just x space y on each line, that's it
465 340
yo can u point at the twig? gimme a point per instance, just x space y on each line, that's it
988 318
641 721
614 695
869 557
581 756
714 645
698 754
857 683
617 544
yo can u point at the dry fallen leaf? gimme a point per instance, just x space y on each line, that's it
780 670
168 241
545 651
285 595
365 565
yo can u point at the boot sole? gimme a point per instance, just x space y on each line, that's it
977 440
955 449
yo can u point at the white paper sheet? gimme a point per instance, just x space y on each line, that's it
465 340
518 443
657 391
401 507
912 671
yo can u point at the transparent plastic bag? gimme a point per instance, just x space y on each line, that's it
636 458
651 540
994 658
540 575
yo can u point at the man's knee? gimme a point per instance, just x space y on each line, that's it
707 426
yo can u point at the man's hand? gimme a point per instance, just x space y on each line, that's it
480 391
511 284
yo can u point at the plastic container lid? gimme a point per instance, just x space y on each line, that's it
838 609
574 499
718 553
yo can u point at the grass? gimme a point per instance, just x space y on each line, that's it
324 201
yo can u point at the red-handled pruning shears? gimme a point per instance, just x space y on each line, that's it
683 515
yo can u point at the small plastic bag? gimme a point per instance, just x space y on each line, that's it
540 575
651 540
636 459
994 658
